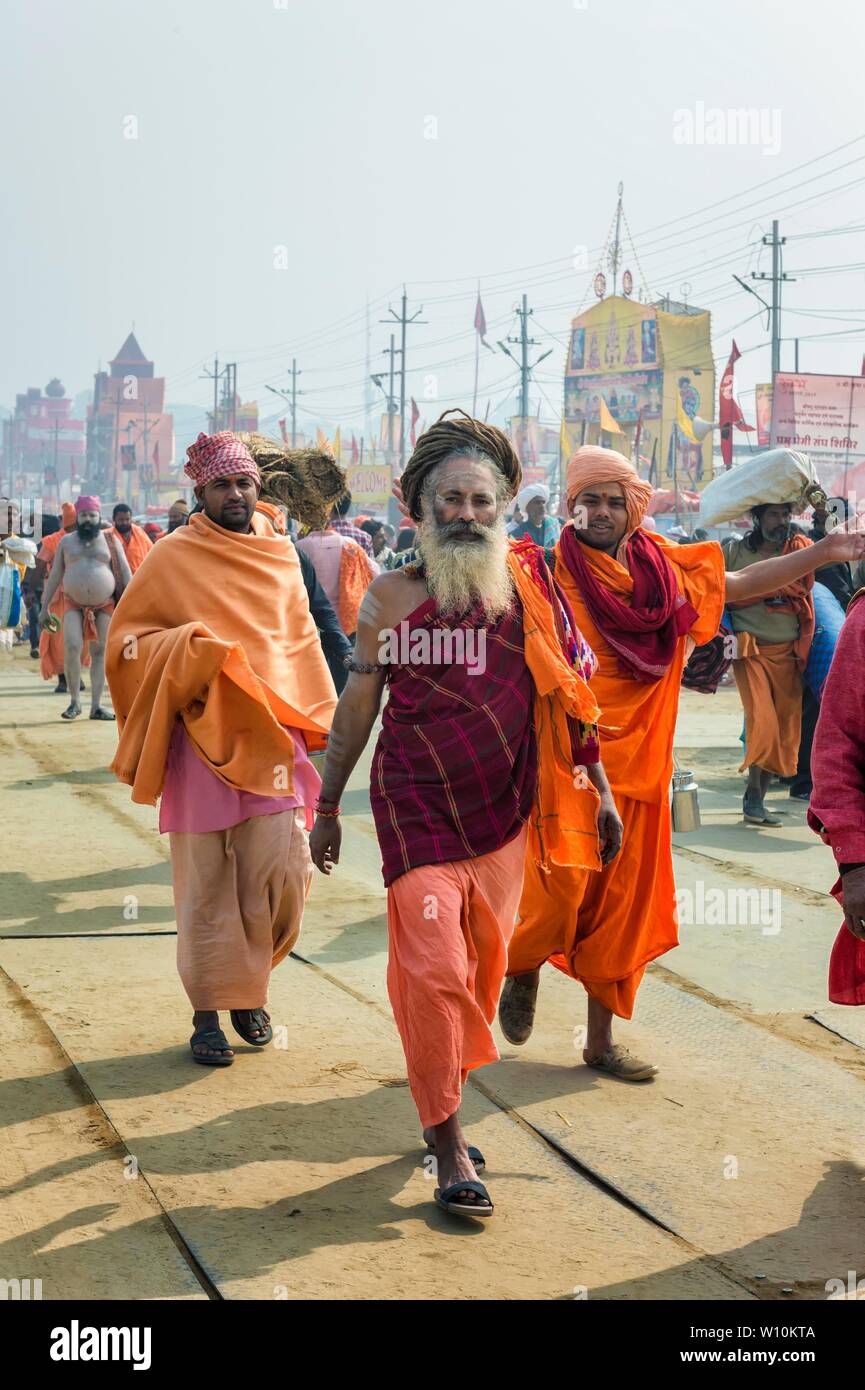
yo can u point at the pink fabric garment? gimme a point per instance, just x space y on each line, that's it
324 549
239 896
194 800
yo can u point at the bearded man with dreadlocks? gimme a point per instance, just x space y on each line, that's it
488 745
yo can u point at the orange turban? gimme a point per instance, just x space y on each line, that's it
67 514
591 465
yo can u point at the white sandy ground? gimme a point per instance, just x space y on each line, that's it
129 1172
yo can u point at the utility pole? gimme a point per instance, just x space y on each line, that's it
367 395
777 276
216 375
228 418
376 377
145 434
391 408
615 254
294 375
291 396
403 320
525 342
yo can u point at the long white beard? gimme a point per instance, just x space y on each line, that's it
460 574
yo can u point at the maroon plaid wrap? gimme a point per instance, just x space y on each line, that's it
453 774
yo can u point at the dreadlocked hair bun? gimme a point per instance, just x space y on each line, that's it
453 436
306 481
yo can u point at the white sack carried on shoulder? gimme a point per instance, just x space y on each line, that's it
779 475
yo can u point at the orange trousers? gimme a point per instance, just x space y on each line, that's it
770 688
602 928
448 931
239 896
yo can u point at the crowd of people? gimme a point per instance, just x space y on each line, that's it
521 775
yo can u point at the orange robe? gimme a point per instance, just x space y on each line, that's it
769 678
135 546
625 915
51 655
216 629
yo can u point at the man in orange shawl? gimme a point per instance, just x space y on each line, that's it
135 540
773 639
221 692
488 719
642 604
51 654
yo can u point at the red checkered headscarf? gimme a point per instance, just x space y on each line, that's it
218 456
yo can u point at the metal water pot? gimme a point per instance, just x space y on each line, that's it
686 806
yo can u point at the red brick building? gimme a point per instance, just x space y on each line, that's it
130 434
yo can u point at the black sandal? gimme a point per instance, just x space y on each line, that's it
72 711
258 1016
446 1202
100 713
210 1037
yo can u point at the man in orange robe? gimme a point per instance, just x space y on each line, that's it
642 604
773 639
51 654
221 692
136 542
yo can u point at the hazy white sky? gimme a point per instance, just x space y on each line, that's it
306 125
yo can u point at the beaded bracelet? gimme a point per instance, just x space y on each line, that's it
363 668
330 815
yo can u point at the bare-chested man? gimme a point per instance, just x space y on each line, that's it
92 568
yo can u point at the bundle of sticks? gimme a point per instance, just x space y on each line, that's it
306 482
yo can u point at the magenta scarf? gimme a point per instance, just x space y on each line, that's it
645 633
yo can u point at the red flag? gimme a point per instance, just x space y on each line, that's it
729 413
281 424
156 453
355 452
481 323
415 416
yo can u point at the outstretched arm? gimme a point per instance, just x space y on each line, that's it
768 576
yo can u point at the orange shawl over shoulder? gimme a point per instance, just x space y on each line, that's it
355 578
137 549
216 629
563 827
